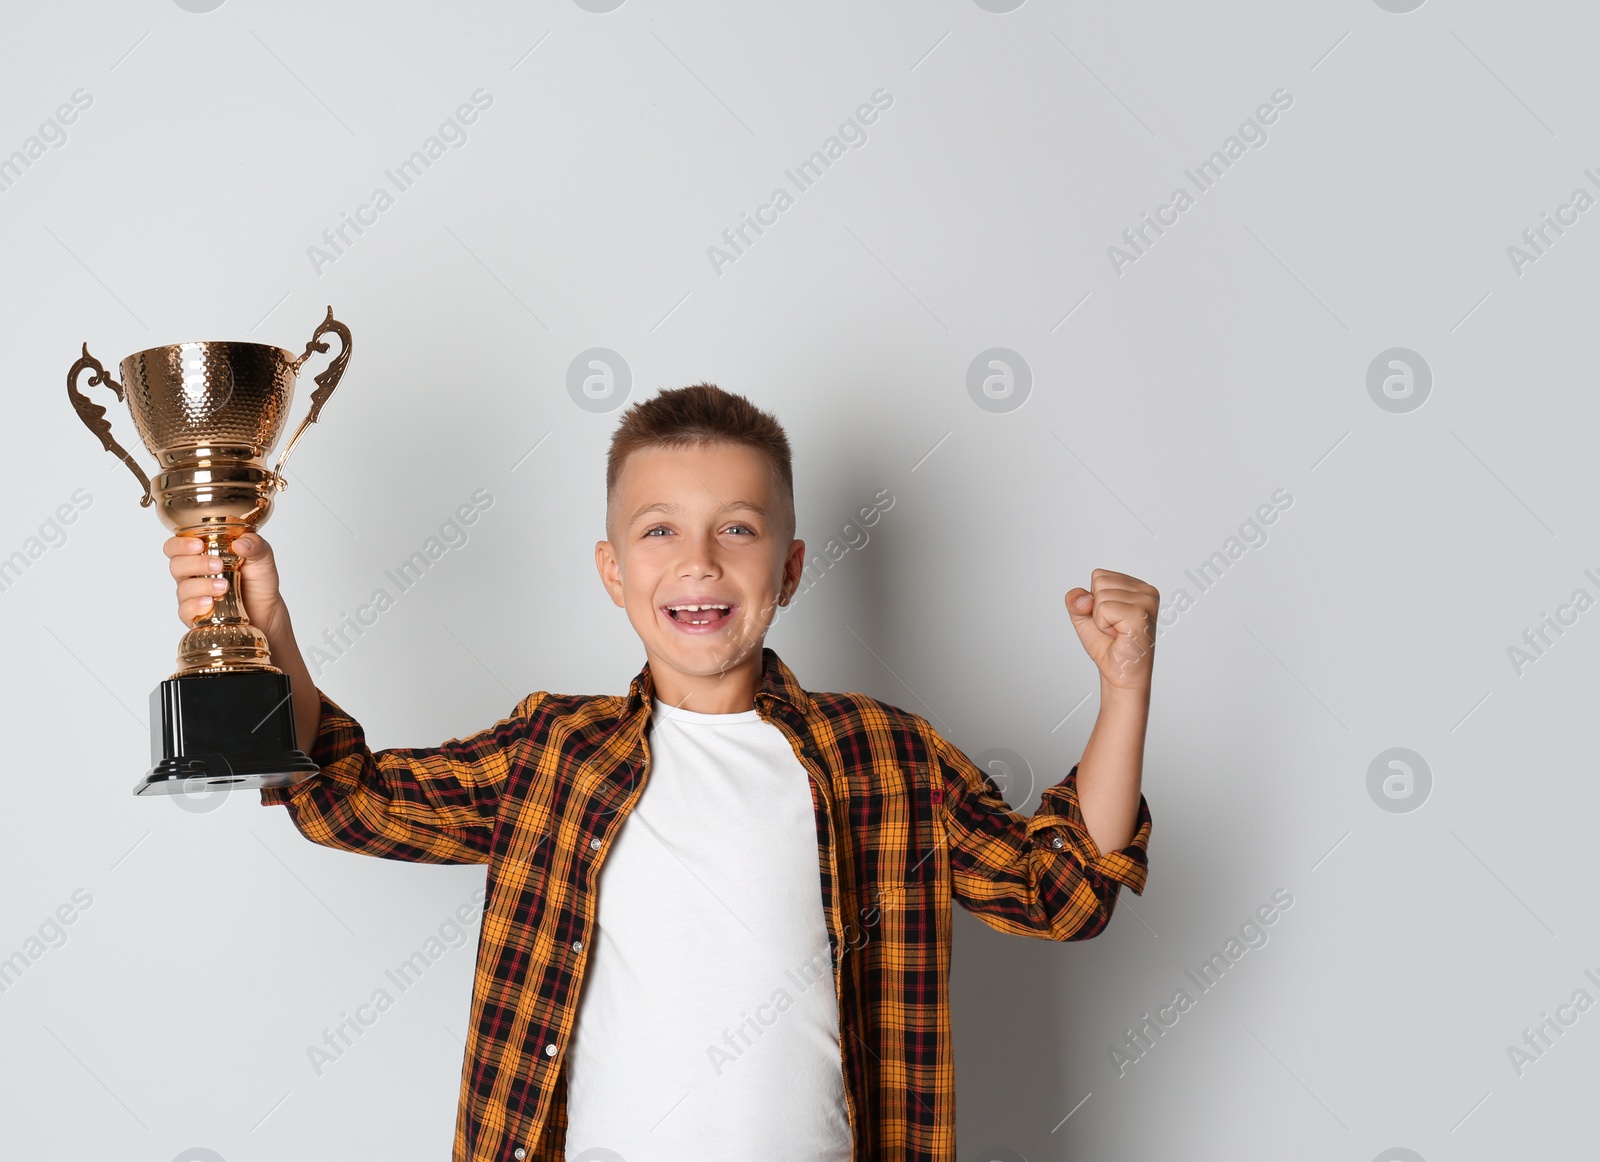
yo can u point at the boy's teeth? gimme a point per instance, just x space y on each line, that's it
684 613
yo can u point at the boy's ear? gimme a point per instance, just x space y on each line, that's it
610 570
793 569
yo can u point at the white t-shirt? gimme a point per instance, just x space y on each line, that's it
707 1027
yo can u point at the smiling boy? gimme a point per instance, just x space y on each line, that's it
718 908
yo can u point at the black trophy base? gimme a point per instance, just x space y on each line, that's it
233 730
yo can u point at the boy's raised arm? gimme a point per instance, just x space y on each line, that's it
1056 874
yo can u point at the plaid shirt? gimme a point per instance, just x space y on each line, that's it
905 822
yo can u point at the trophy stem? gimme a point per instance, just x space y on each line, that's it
223 640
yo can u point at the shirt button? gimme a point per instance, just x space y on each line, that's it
550 1050
595 843
577 946
519 1153
1057 842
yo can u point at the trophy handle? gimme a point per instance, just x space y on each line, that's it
93 415
326 381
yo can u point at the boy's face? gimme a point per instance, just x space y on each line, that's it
700 525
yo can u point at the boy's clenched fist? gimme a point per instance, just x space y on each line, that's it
1116 622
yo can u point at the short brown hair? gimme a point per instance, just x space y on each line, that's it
699 414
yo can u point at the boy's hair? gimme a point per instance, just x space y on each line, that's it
703 413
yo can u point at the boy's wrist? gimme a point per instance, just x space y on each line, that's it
279 631
1127 698
284 648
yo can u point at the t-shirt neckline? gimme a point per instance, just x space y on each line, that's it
660 709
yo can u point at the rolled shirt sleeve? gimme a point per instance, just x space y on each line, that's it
1032 875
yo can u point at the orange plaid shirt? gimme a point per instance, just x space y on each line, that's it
905 823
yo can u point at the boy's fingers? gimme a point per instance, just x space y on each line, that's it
1111 614
183 549
196 566
1087 624
198 607
1110 579
255 552
1115 594
1146 603
192 587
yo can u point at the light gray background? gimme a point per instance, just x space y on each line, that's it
1168 402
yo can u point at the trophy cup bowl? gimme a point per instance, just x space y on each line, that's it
211 413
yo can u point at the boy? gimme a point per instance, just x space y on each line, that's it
717 922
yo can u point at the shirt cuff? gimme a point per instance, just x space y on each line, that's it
1060 817
336 735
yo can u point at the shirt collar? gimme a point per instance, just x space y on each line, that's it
778 684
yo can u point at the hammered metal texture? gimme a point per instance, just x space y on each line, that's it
187 395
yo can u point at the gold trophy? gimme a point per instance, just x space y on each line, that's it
211 413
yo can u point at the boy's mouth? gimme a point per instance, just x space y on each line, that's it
702 616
